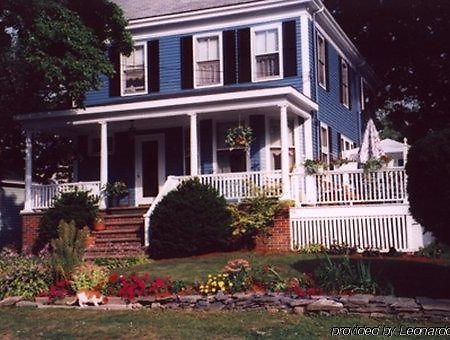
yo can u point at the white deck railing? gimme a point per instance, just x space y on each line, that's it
363 227
241 185
42 195
387 185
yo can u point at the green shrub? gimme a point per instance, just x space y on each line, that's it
112 263
270 278
77 206
191 220
22 275
342 276
434 250
428 170
67 250
88 277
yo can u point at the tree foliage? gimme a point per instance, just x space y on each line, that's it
51 53
428 172
406 41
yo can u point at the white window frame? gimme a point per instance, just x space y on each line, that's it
344 139
341 63
253 31
122 87
194 61
325 76
324 149
270 146
362 94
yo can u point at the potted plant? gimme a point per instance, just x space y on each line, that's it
115 192
99 224
239 137
313 166
375 164
340 162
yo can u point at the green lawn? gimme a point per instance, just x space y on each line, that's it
407 277
67 324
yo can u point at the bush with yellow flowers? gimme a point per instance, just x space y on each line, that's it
216 283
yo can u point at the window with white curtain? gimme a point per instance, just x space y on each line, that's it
275 144
324 143
345 84
134 75
267 53
208 69
322 61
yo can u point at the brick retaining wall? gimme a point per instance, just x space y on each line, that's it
30 225
279 239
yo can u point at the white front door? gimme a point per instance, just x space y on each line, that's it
150 170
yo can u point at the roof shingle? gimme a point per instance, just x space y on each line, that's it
137 9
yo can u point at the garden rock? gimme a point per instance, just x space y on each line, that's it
190 298
434 304
10 301
300 302
360 299
299 310
324 305
405 305
25 303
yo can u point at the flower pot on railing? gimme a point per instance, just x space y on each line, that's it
314 167
115 192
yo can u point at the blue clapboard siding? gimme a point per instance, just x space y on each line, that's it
257 123
170 76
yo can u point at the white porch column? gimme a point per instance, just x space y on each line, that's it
310 181
103 160
194 144
284 134
28 206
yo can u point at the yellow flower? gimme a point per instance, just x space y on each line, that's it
209 275
201 287
230 284
213 290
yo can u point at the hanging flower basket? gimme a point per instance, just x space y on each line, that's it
239 137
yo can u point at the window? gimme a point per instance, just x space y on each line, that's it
133 68
345 90
322 61
266 60
95 146
275 144
363 95
208 60
324 143
346 144
229 160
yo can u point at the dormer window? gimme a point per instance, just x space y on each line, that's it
266 59
208 60
345 86
133 71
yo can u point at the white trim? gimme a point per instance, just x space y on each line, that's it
300 104
318 36
139 199
194 59
253 30
343 62
362 94
306 63
103 159
344 139
324 149
267 144
122 90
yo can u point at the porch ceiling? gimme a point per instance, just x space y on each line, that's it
239 99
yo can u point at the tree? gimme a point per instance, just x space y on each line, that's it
51 53
428 172
406 41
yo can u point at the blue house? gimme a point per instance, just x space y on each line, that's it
199 68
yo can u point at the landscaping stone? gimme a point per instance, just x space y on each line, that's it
41 306
10 301
360 299
300 302
405 305
115 300
190 298
25 303
434 304
299 310
242 296
42 300
324 305
384 299
155 305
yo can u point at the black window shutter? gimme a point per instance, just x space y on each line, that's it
330 142
187 70
341 94
289 48
327 73
319 138
339 144
350 74
244 58
229 57
153 65
114 80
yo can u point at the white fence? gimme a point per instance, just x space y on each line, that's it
377 227
42 196
356 186
240 185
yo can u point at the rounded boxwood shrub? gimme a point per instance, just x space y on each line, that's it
428 170
191 220
78 206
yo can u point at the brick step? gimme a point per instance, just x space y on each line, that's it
127 211
124 222
132 239
121 217
112 256
117 231
113 249
133 234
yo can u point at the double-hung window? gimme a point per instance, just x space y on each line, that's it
324 143
322 61
345 144
133 71
345 84
208 66
229 160
275 144
266 57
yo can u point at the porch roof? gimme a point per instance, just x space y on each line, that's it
166 106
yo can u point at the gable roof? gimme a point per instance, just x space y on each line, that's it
137 9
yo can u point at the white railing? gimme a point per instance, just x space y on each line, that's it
42 195
363 227
241 185
386 185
